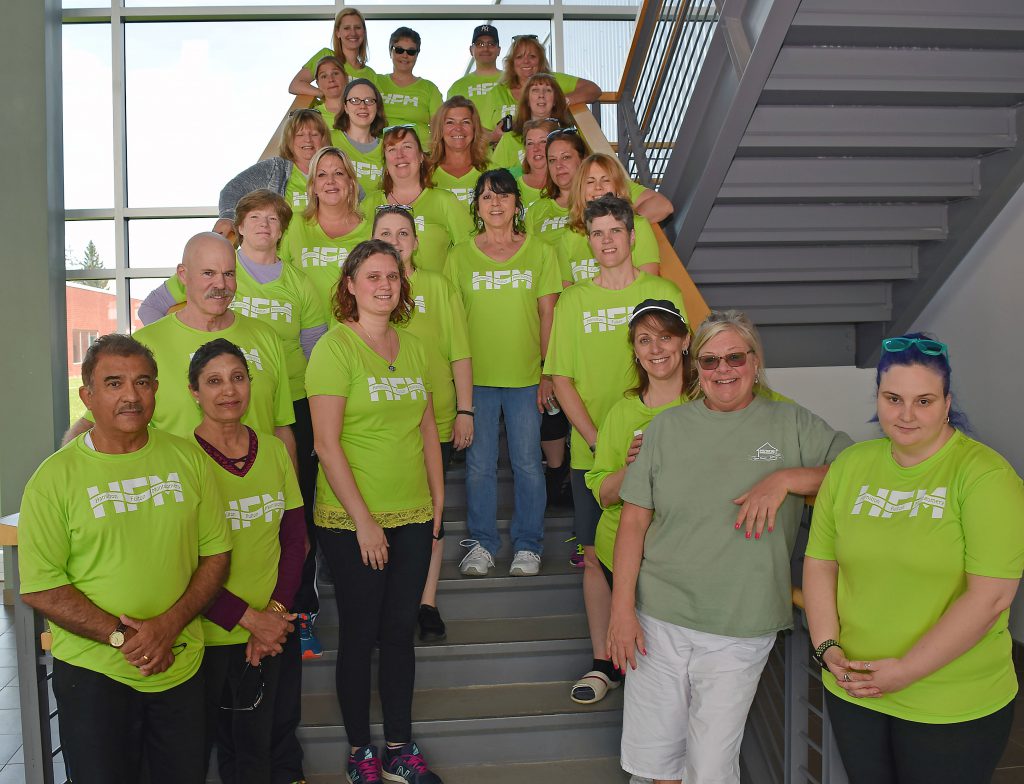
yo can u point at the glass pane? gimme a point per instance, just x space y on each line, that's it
89 244
153 244
88 116
85 4
91 312
201 107
602 60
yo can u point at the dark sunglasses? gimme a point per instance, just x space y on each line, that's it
712 361
932 348
572 129
243 681
364 101
527 36
403 50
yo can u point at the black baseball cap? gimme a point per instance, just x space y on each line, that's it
485 29
649 305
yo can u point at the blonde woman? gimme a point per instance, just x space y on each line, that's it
348 44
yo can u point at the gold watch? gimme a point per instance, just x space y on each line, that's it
116 638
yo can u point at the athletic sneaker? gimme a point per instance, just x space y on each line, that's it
525 564
478 562
576 559
432 628
406 764
364 766
308 642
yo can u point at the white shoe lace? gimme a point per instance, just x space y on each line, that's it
475 549
526 555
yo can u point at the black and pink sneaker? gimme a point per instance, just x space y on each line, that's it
364 766
406 764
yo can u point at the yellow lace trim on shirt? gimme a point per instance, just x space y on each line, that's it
327 516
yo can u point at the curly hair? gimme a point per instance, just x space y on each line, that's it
345 306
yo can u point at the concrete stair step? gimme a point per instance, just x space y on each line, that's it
592 771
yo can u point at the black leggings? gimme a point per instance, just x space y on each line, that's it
880 749
306 599
377 606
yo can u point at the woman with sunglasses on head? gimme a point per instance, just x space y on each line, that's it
525 58
357 130
409 99
535 160
459 152
710 513
246 626
599 175
542 99
441 220
591 367
348 45
380 495
438 318
303 134
915 554
319 240
508 283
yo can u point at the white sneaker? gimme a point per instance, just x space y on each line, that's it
478 562
525 564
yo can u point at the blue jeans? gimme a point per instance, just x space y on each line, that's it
522 427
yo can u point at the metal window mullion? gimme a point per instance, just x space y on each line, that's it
118 72
558 35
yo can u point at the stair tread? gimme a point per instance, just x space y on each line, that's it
470 702
594 771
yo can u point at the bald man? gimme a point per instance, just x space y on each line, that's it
207 271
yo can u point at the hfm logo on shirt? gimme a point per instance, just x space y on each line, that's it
364 169
606 319
244 511
508 108
420 303
300 200
551 224
405 100
766 452
324 257
480 89
501 278
127 494
584 269
463 194
396 387
886 503
254 307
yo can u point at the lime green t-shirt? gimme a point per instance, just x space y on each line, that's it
328 117
413 103
366 72
527 193
439 321
590 345
474 86
698 571
253 506
501 309
614 437
499 101
508 152
905 540
576 260
307 247
173 345
127 531
462 188
441 222
368 165
380 433
288 305
547 220
295 190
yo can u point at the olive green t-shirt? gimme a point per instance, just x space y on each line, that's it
576 258
905 539
441 222
698 571
380 433
127 530
590 345
501 309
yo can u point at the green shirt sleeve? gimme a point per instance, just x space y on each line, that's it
506 152
822 538
312 61
44 542
329 370
459 345
638 484
284 412
457 220
609 456
991 515
645 247
550 279
311 309
562 347
176 288
819 443
566 81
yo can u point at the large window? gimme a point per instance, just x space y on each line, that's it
165 100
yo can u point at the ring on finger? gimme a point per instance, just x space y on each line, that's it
847 677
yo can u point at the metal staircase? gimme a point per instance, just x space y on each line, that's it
836 160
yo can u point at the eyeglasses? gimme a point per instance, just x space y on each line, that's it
403 50
711 361
560 131
932 348
257 699
485 44
406 126
371 101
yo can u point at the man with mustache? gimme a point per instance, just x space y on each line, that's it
207 271
123 542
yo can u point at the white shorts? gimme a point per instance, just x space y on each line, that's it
687 702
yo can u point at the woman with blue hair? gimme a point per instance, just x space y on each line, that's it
915 554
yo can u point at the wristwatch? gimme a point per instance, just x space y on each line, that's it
116 638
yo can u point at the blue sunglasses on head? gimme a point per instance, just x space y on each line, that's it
933 348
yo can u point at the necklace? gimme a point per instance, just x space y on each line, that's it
376 348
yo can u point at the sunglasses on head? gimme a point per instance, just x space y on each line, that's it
403 50
402 207
563 131
927 346
406 126
734 359
353 101
527 36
